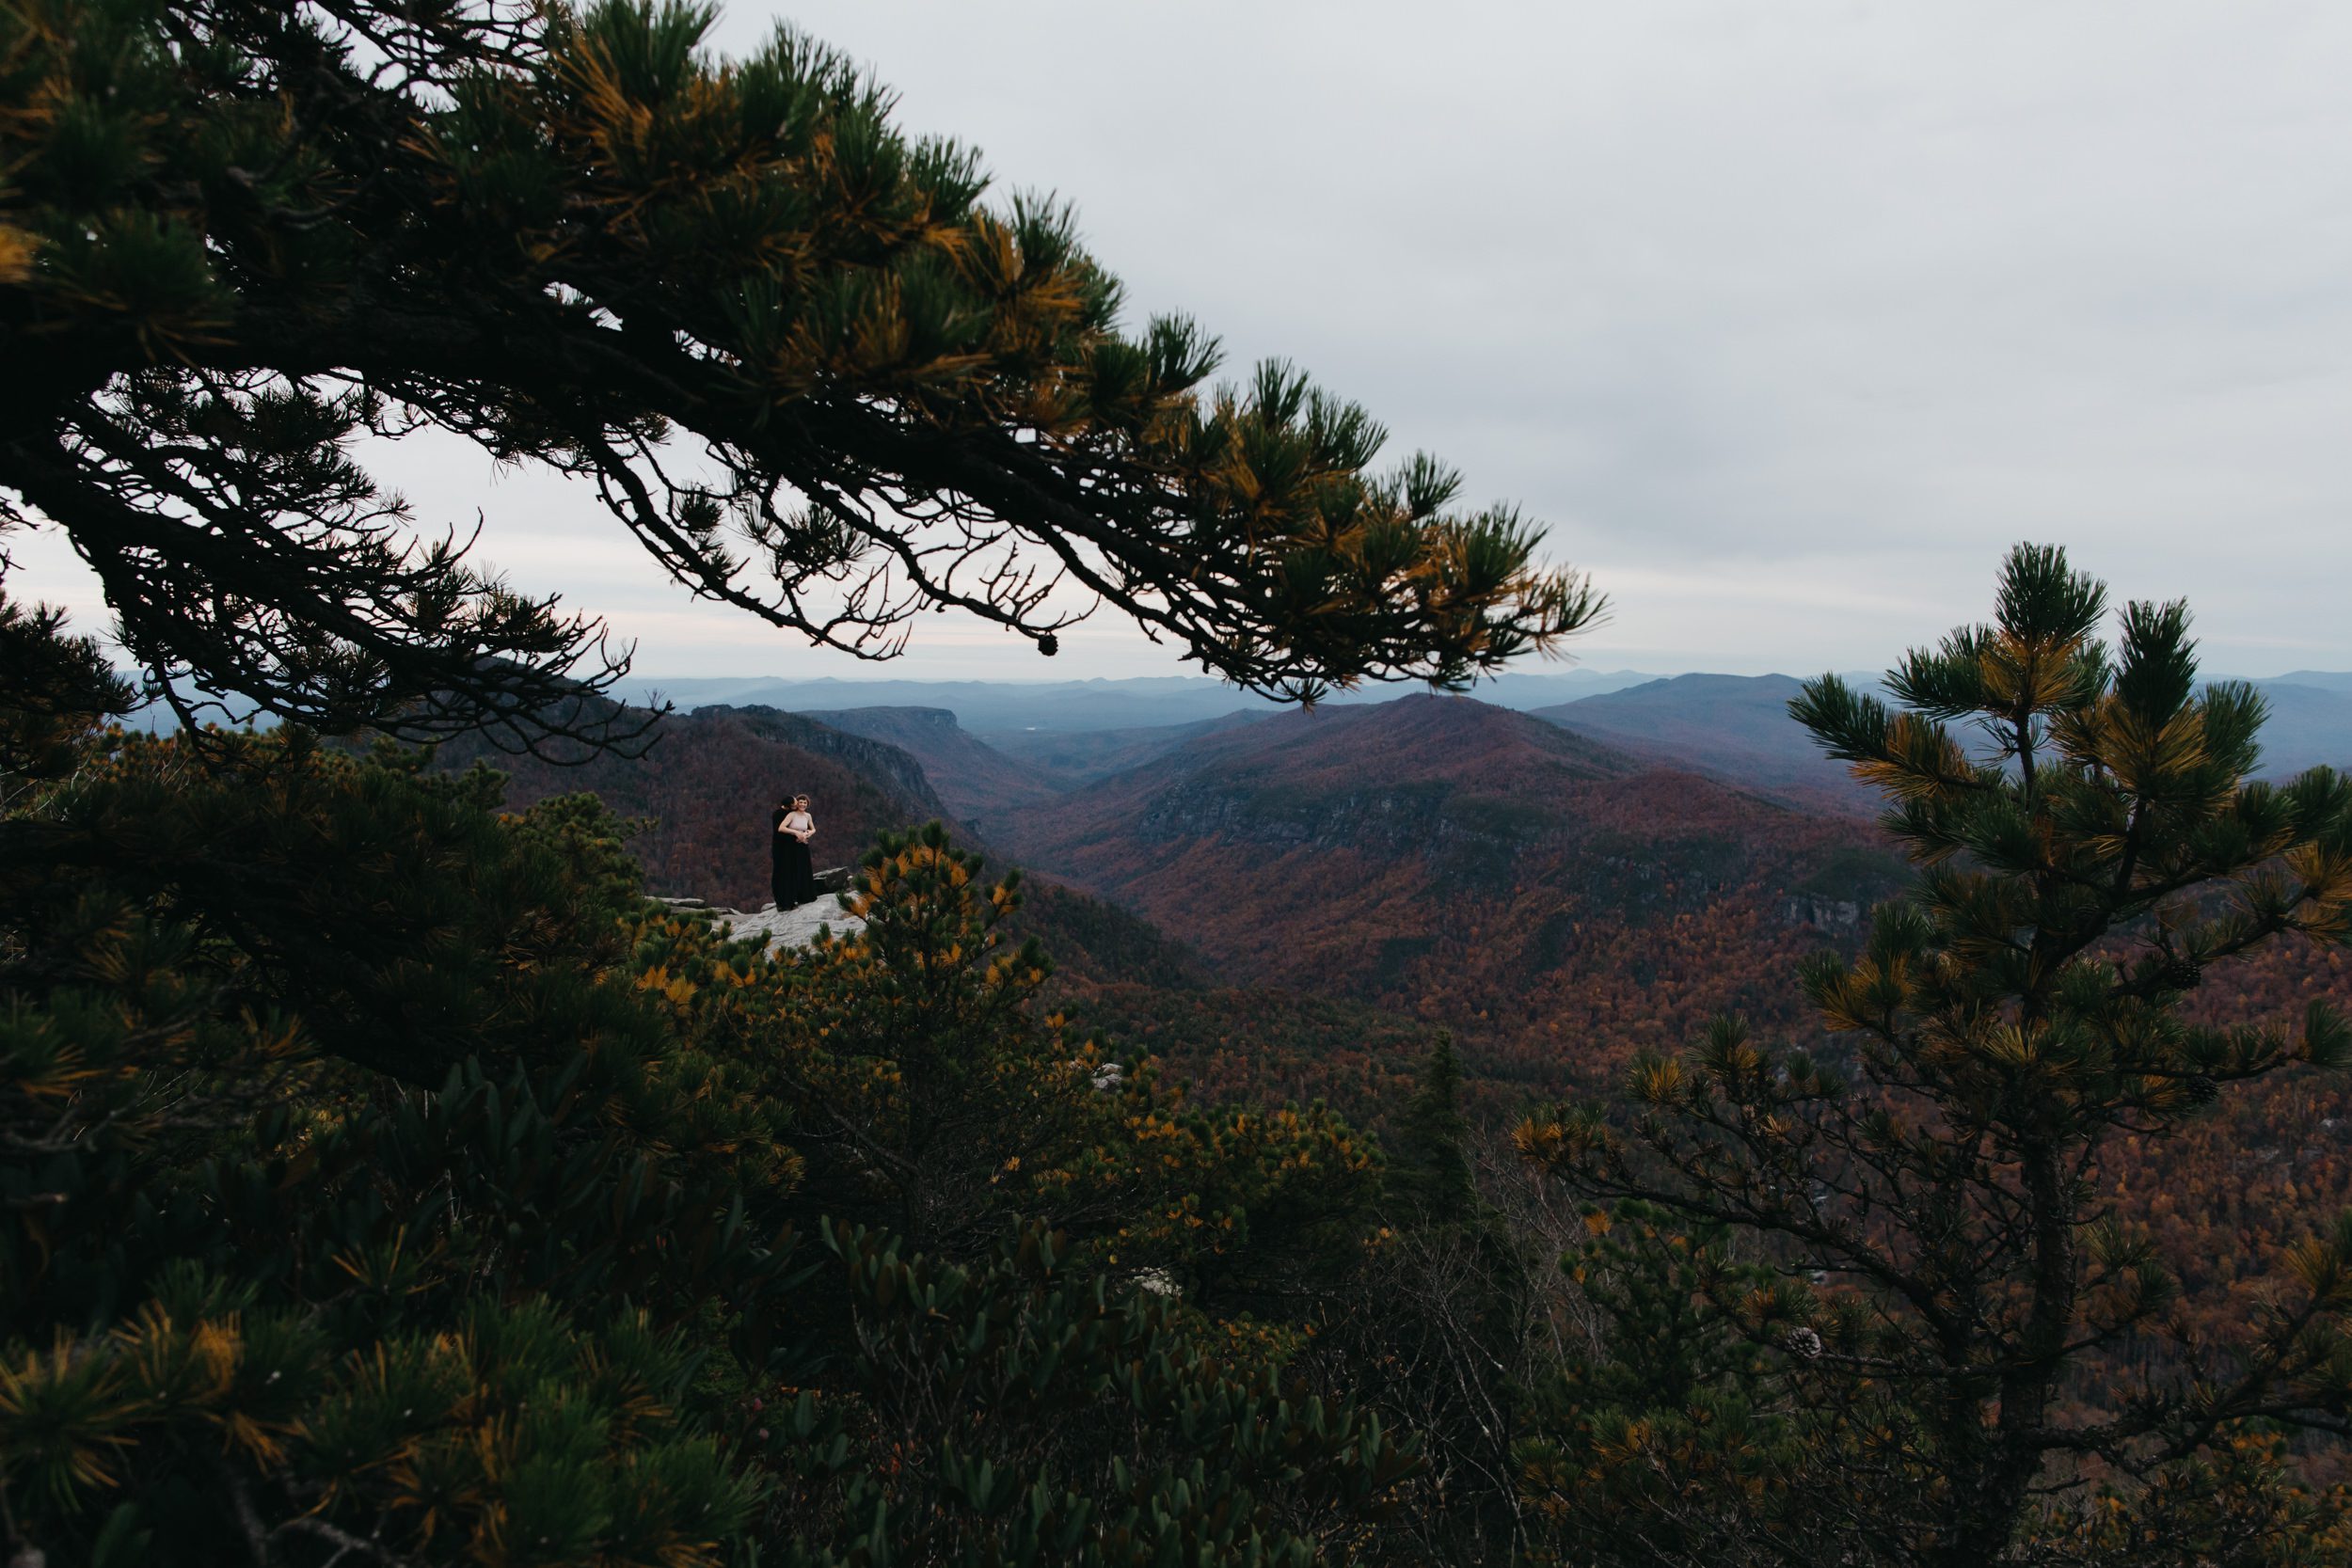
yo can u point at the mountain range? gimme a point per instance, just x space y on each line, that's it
1738 727
1729 726
990 707
1553 898
1559 885
1043 738
1286 904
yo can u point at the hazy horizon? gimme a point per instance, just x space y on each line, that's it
883 675
1786 323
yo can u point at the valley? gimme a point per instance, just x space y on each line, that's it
1285 905
715 850
1286 901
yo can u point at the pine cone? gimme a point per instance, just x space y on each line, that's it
2180 974
2201 1089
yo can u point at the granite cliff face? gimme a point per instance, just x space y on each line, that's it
1826 914
1403 820
891 768
989 793
1400 819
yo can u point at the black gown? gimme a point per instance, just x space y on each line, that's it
792 876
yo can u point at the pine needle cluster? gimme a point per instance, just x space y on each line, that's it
794 352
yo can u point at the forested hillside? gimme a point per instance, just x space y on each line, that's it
986 790
1557 901
1285 908
1735 728
1486 1145
703 786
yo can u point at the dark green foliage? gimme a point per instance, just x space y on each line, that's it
261 1301
1987 1333
1034 1416
924 1091
1095 939
1695 1414
1429 1174
1667 1347
586 835
53 690
385 905
507 1436
1437 1325
385 1180
236 237
2240 1505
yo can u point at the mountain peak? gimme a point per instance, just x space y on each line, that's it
1423 738
1358 846
1422 775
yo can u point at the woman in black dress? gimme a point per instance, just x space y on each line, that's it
791 876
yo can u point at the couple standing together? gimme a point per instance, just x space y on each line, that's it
792 875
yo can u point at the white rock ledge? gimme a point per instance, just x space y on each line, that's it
794 927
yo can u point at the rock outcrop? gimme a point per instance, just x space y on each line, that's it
890 768
793 927
990 794
1826 914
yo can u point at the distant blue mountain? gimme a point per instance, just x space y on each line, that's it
1737 728
1143 703
2326 680
2310 723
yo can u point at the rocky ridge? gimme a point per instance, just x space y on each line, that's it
990 793
888 766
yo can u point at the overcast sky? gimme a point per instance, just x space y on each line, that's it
1788 319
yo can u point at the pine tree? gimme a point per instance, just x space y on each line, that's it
55 690
1014 1412
928 1094
1664 1435
1985 1330
382 1179
1434 1326
791 348
1429 1172
357 1206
